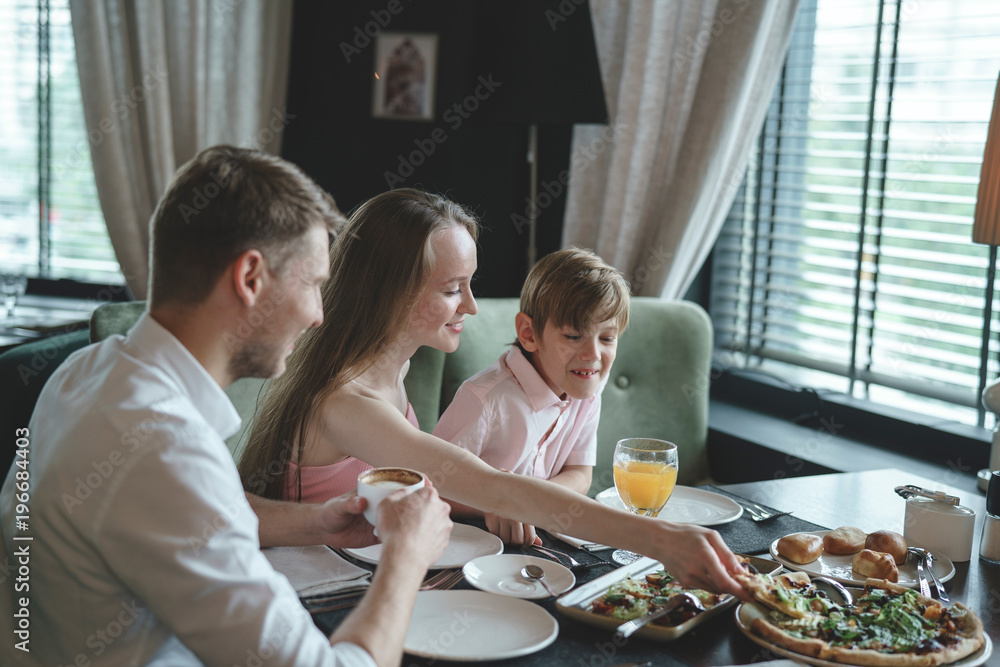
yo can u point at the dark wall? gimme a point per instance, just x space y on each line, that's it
474 155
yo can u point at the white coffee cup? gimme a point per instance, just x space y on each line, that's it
940 527
378 483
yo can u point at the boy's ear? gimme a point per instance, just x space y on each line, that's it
248 273
525 332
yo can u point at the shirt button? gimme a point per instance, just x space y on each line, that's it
622 382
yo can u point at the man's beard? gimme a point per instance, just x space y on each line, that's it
253 360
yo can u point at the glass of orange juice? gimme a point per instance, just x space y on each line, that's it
645 473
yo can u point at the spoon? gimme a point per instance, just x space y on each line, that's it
533 573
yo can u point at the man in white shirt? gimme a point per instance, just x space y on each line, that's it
124 518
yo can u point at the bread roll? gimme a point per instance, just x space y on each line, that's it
844 541
800 548
888 542
876 565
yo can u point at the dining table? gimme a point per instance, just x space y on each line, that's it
864 499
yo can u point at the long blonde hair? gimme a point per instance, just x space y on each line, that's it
378 266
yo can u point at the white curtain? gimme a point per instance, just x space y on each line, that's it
163 79
688 83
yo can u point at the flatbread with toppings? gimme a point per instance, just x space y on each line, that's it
887 626
634 597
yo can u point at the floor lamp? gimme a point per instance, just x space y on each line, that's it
986 230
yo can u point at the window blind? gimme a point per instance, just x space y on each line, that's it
846 262
51 225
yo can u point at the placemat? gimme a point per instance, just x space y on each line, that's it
747 536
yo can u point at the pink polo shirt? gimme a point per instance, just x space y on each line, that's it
502 415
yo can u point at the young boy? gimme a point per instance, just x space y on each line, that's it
535 411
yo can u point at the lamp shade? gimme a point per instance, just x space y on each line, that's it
986 227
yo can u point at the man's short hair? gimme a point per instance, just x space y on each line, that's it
223 202
575 288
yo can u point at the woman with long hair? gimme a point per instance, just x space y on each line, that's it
400 274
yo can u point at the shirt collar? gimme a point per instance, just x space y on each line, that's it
540 395
169 355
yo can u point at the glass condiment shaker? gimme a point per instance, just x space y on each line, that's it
989 547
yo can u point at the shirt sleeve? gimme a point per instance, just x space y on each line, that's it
466 421
584 451
177 530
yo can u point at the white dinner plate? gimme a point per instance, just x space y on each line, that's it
501 574
745 614
839 567
687 505
476 626
467 542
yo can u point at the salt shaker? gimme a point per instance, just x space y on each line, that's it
989 547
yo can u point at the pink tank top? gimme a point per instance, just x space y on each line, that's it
320 483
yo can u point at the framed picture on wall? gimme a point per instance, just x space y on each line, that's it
405 75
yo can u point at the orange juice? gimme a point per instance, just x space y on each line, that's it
645 486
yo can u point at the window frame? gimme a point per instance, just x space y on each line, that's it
960 447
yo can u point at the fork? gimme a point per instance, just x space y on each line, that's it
626 630
555 553
925 588
443 581
759 513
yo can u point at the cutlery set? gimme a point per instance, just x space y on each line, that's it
761 513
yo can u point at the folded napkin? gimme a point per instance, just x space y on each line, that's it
316 570
586 545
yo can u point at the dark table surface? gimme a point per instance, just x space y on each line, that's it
862 499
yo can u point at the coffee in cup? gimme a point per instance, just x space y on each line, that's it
376 484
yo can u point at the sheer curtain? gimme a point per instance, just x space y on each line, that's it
688 84
163 79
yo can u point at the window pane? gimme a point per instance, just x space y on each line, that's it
848 260
44 140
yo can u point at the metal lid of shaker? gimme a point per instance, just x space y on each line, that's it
993 494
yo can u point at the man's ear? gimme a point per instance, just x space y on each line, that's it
249 272
525 332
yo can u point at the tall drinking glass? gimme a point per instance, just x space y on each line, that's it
645 475
12 286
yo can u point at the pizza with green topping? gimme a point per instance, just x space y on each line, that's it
634 597
887 625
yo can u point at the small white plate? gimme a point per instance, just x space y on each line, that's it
687 505
501 574
745 614
839 567
477 626
467 542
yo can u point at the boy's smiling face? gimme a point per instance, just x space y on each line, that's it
571 362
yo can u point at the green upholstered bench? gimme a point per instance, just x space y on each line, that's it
658 387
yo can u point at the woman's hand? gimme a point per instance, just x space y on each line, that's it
700 559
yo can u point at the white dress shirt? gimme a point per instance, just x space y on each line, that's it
143 548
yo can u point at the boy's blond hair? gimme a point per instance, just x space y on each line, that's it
576 288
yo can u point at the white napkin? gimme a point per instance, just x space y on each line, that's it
316 570
586 545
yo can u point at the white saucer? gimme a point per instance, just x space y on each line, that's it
467 542
501 574
687 505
